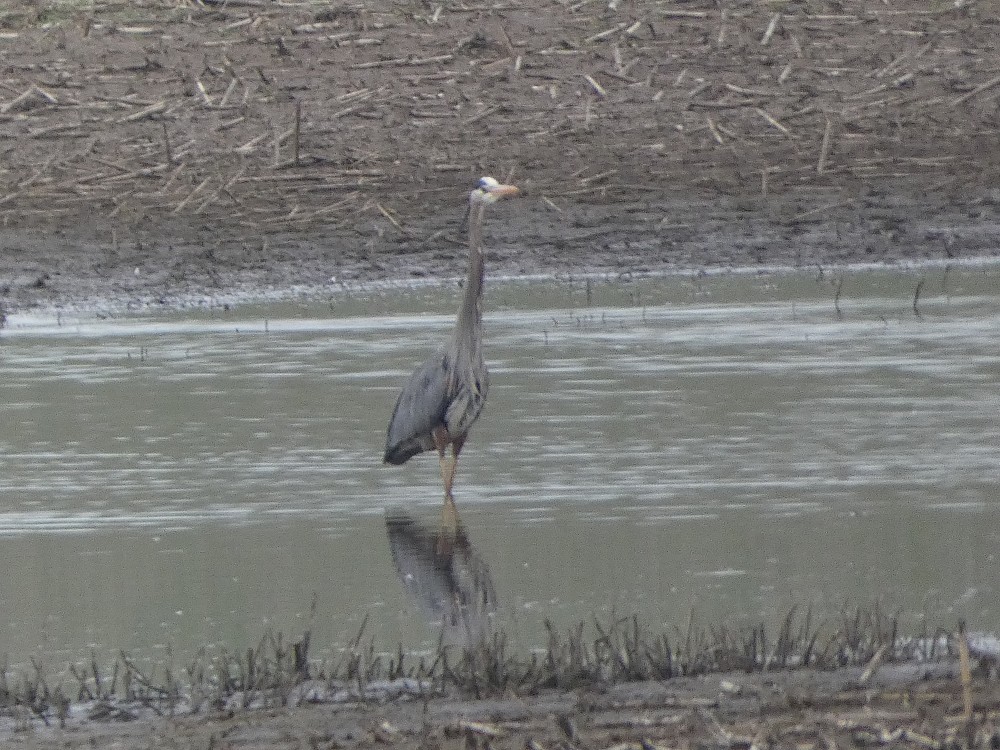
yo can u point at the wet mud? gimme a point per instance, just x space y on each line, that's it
162 153
908 706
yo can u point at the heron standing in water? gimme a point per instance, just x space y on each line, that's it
444 396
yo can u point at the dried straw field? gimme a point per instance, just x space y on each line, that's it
158 147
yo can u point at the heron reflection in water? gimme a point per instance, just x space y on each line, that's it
442 571
444 396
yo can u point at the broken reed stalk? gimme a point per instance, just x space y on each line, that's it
976 91
769 32
772 121
916 298
17 101
965 670
824 149
873 665
597 87
298 129
229 90
180 206
392 219
166 144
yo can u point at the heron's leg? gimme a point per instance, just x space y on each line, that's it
449 480
441 441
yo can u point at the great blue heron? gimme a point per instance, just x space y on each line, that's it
444 396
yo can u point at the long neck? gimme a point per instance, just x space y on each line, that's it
470 314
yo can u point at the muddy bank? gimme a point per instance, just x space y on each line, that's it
618 685
918 707
155 268
153 151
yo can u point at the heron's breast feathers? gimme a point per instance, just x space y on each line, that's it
467 396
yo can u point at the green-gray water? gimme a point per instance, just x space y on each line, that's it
729 444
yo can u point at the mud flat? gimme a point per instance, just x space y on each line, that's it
159 152
616 685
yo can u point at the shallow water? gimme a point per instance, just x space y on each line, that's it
726 444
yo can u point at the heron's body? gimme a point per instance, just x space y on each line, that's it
444 396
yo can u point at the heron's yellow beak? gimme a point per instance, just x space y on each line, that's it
504 191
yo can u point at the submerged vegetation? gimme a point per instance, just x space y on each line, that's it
279 672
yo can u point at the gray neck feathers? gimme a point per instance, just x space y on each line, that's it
470 314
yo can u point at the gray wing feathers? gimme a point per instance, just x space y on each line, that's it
421 406
435 395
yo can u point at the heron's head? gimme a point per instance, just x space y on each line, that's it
489 191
